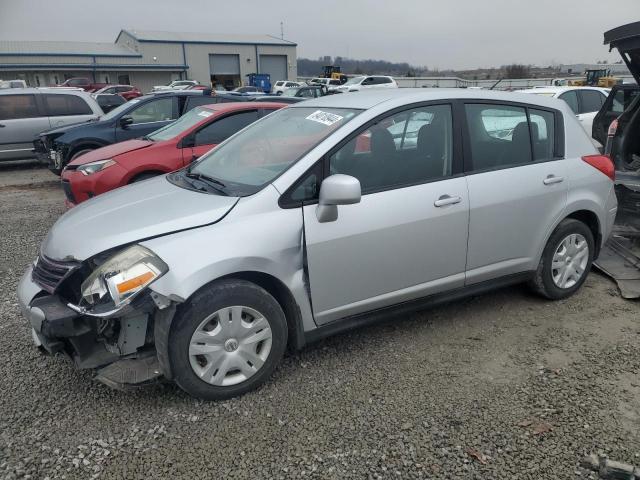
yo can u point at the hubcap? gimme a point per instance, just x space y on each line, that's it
230 346
570 261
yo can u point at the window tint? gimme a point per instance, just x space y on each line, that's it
623 99
499 136
572 100
408 147
155 111
61 105
204 100
220 130
122 89
18 106
591 101
542 134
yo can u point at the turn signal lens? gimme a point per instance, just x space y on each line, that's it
602 163
134 283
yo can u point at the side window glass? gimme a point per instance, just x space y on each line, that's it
499 136
220 130
155 111
542 134
591 101
406 148
572 100
61 105
18 106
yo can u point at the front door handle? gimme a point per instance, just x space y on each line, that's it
551 179
445 200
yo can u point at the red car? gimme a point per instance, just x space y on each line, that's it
127 92
165 150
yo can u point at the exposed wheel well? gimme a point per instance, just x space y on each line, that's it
283 296
590 219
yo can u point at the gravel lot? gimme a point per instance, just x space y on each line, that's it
500 386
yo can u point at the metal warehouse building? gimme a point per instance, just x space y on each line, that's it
147 58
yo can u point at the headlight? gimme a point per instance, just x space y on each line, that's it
93 167
120 278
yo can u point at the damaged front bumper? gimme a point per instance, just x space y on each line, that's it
120 346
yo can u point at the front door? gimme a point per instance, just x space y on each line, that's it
407 238
148 117
517 187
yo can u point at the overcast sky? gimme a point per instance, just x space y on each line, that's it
439 34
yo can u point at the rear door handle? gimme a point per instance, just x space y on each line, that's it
445 200
551 179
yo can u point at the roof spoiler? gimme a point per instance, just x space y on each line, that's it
625 37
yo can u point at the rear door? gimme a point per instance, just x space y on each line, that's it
21 120
64 109
148 117
517 181
210 135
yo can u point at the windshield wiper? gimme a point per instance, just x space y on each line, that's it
207 180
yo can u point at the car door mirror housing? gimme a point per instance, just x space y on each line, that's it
126 121
336 190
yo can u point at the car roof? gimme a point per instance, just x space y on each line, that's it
553 89
53 90
233 106
368 99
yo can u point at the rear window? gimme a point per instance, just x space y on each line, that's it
63 105
18 106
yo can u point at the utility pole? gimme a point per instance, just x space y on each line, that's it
282 30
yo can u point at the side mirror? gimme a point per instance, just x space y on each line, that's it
126 121
336 190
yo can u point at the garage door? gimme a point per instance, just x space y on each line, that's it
224 64
274 65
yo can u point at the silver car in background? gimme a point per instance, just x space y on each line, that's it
27 112
323 216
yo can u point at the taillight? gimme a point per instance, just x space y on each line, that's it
602 163
613 128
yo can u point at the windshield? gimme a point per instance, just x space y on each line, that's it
185 122
265 149
354 81
117 111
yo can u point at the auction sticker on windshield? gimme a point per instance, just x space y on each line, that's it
205 114
325 118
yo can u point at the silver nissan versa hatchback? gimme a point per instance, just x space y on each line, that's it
320 217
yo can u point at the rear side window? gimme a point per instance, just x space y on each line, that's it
591 101
18 106
542 134
572 100
193 102
220 130
63 105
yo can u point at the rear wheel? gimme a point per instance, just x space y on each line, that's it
227 340
566 260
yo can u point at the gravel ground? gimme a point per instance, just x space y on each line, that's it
505 385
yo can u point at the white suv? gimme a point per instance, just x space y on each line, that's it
365 83
281 85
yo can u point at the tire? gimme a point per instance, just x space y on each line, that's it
549 280
144 176
229 352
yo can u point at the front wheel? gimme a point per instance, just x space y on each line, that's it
566 260
226 340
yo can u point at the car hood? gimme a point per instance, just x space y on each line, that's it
139 211
111 151
626 39
70 127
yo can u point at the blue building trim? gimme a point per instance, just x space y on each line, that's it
62 54
92 66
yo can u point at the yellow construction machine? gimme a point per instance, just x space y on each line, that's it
596 78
